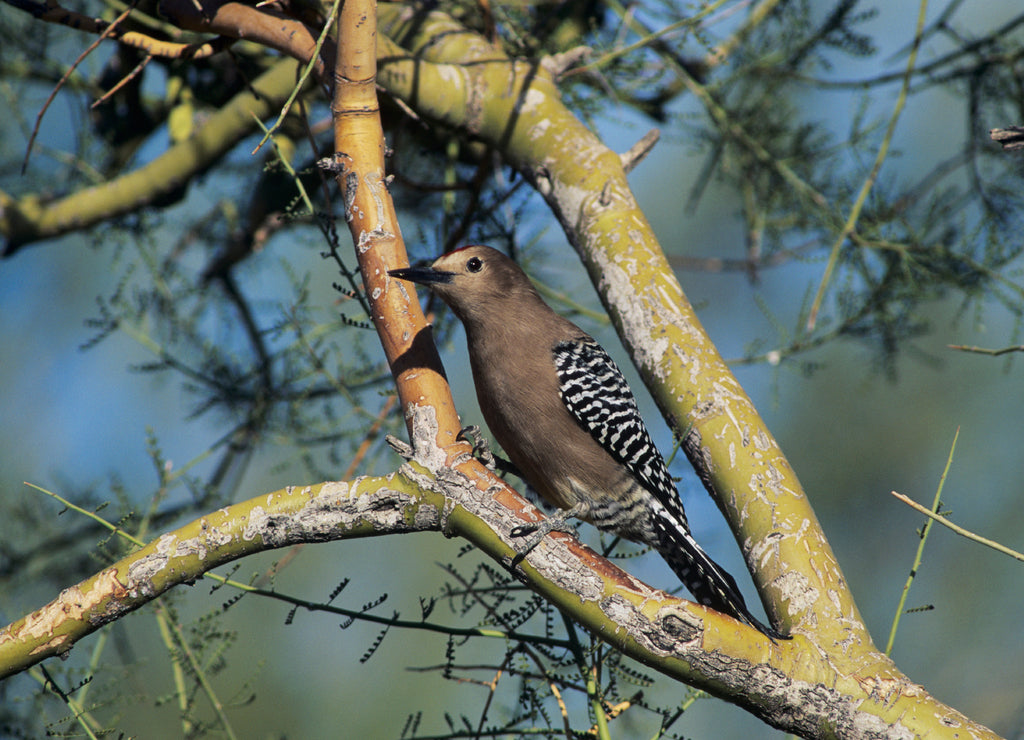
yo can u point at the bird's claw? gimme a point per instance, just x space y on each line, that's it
481 449
537 531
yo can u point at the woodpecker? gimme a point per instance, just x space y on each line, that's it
562 411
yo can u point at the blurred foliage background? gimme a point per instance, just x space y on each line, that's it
198 352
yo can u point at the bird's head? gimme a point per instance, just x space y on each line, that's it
472 280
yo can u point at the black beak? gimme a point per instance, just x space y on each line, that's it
424 275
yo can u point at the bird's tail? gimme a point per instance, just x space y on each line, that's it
709 583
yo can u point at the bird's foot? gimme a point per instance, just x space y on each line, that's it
482 451
481 448
537 531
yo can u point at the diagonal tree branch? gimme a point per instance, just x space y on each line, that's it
585 184
29 219
292 515
829 681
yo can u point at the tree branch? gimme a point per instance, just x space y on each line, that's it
958 529
51 12
585 185
292 515
1010 138
28 219
776 682
829 681
725 439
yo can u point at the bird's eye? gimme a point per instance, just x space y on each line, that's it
475 264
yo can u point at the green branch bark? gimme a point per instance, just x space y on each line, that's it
515 107
293 515
830 681
31 219
585 184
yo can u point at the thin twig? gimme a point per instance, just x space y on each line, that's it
187 654
869 182
984 351
310 66
960 530
109 30
920 547
122 82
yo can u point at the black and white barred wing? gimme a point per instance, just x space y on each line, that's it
596 393
594 390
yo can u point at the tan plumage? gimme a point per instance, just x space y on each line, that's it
516 386
564 415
